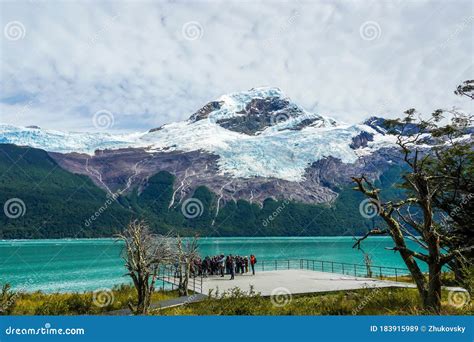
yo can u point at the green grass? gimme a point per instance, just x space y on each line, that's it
387 301
361 302
39 303
447 278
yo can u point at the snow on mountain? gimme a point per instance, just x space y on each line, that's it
282 154
272 136
63 142
236 102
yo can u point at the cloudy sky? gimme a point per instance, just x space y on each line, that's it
153 62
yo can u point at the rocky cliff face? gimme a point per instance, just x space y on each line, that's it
121 171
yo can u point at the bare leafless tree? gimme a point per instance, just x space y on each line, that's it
368 264
186 254
144 253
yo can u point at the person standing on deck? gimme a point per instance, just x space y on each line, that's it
222 265
246 264
227 265
237 264
232 267
253 261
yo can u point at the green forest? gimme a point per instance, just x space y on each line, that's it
59 204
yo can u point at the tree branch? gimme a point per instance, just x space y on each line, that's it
372 232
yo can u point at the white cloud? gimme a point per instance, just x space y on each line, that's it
132 59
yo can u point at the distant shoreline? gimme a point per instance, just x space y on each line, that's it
206 237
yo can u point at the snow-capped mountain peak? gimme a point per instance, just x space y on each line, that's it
255 133
254 111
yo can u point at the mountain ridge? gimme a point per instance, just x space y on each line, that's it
60 204
250 145
240 151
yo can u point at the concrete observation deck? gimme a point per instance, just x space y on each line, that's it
295 282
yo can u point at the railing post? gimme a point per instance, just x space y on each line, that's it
380 272
313 265
288 264
343 268
322 266
332 266
355 270
276 265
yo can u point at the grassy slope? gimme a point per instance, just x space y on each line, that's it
86 303
361 302
386 301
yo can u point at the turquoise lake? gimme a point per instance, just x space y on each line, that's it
89 264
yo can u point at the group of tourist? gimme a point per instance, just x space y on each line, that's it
221 265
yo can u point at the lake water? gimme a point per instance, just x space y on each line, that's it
90 264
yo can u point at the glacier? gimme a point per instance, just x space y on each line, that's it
279 151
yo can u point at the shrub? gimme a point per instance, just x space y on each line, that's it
8 300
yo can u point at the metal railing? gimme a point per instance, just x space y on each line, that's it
357 270
170 274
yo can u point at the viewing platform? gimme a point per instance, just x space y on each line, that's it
294 282
297 277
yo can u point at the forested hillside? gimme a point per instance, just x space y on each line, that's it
59 204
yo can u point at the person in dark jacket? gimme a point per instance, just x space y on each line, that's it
232 267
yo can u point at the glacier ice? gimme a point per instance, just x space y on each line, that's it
278 151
